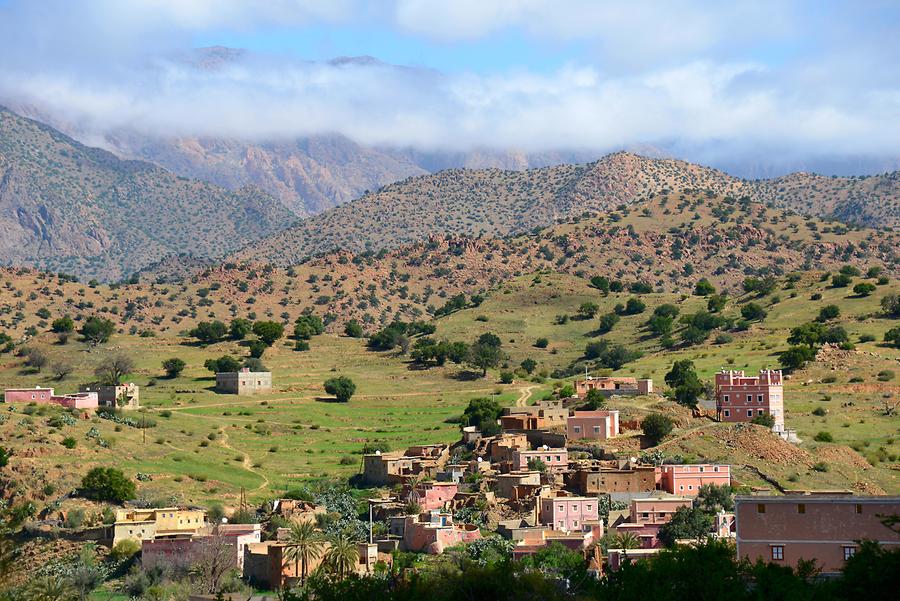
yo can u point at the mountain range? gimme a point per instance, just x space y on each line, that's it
65 206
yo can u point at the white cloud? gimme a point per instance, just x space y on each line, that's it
109 65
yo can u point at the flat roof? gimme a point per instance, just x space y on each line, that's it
820 498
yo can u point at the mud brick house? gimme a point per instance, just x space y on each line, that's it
620 484
826 528
740 398
686 480
517 485
610 386
432 495
594 425
433 532
125 396
545 414
149 524
180 551
244 382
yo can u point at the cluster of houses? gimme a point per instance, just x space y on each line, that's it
89 396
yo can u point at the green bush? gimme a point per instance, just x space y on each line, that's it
823 436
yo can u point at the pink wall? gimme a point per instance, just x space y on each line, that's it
597 425
433 495
686 480
555 459
785 529
28 395
567 513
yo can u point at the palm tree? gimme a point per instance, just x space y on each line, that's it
625 541
304 544
49 588
342 555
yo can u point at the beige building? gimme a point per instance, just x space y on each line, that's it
151 524
244 382
124 396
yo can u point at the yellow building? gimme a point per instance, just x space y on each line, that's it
150 524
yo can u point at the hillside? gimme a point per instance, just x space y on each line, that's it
67 207
669 244
494 202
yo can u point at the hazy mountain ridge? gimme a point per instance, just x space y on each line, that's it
494 202
68 207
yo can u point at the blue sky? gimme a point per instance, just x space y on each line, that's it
763 77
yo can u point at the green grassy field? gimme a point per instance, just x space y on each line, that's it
207 446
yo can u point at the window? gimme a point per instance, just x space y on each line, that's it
562 507
759 412
727 413
716 468
749 412
577 429
858 508
587 507
849 552
681 487
690 487
560 524
596 429
645 515
760 508
701 469
575 523
759 398
559 457
801 508
777 552
726 398
749 398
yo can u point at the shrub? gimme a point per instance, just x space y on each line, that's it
107 484
541 343
821 467
353 329
764 419
823 436
753 312
341 387
124 549
828 312
173 366
268 331
885 375
69 442
506 377
840 280
301 345
820 412
864 289
704 288
656 427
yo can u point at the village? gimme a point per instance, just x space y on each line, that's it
535 477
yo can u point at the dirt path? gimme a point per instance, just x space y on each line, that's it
522 401
246 462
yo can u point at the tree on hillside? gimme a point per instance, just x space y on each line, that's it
753 312
656 427
761 287
341 387
63 325
892 336
828 312
588 310
240 328
97 330
61 369
483 413
684 382
485 353
704 288
716 302
308 325
607 323
208 332
890 304
353 329
864 289
112 369
173 366
593 400
601 283
796 357
107 484
36 358
268 331
529 365
225 363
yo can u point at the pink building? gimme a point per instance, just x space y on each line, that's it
686 480
436 533
78 400
555 459
568 513
28 395
826 528
611 386
433 495
740 398
648 514
596 425
181 551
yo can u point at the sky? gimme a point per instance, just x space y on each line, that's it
796 78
